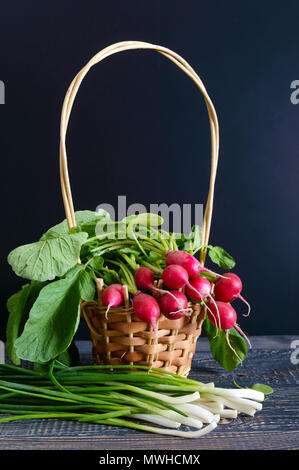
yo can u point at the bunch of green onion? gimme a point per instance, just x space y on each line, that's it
126 396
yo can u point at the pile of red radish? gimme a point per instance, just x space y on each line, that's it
182 272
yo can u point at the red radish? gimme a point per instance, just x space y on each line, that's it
203 288
175 277
111 297
228 318
147 309
187 261
144 278
172 308
118 287
200 288
184 259
229 288
228 315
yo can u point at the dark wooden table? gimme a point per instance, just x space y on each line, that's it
275 427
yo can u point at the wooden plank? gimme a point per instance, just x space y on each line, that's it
225 441
275 427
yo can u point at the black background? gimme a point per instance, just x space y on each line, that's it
139 128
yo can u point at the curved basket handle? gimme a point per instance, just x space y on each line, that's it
69 101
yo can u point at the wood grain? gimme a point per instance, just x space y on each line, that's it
275 427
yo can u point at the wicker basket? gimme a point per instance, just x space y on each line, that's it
120 337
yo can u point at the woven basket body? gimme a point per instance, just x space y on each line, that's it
122 337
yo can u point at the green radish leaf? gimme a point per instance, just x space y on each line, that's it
86 284
196 235
48 258
188 246
91 226
146 218
192 243
110 230
97 263
53 319
86 252
72 230
86 287
153 256
220 349
265 389
181 241
18 306
220 257
86 222
101 213
178 236
71 356
110 277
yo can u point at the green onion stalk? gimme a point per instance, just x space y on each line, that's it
125 396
